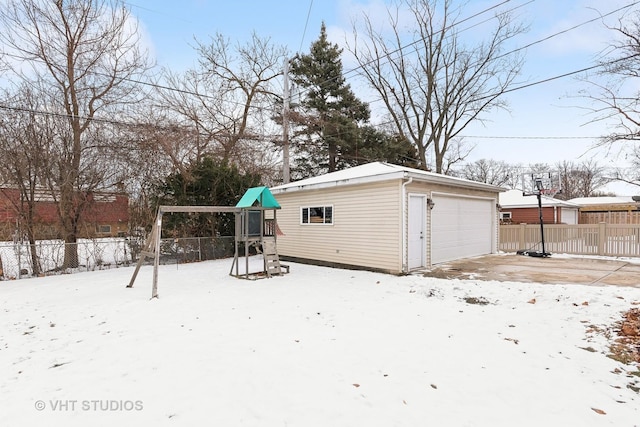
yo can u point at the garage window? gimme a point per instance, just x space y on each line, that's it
316 215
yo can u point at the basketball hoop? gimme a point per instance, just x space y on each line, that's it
540 184
549 192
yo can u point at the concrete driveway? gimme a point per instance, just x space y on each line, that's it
554 269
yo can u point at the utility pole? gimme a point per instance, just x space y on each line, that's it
285 125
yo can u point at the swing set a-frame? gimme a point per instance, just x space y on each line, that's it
255 223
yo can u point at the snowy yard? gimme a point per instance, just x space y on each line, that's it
317 347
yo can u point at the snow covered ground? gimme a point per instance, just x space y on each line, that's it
317 347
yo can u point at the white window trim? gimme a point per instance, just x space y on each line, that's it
505 215
333 215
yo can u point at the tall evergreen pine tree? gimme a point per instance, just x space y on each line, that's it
327 120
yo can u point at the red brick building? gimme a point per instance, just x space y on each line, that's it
515 208
105 215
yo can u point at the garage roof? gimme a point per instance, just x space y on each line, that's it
379 171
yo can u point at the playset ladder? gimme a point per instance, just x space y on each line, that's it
271 260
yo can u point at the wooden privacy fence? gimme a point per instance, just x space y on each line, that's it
610 217
582 239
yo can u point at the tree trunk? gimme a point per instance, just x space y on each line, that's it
70 251
35 260
422 152
332 155
68 212
439 161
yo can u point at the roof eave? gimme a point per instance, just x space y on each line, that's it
290 188
447 180
431 178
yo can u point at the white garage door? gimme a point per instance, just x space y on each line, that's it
461 227
569 216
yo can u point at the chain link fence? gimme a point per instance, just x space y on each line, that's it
195 249
19 260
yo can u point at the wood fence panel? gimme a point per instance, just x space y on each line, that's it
581 239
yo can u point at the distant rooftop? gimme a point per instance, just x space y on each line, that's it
605 200
515 199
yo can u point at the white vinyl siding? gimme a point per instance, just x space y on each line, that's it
368 224
366 228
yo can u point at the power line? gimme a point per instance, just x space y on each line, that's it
570 73
549 79
401 48
174 89
135 125
559 33
157 86
304 32
205 96
66 116
384 123
566 30
539 82
525 86
173 16
273 137
528 137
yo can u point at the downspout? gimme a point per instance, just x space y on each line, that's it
405 262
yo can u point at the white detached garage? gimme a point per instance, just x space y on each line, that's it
386 217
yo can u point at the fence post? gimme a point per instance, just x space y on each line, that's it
19 260
522 234
602 237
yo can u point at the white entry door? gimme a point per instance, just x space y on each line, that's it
417 250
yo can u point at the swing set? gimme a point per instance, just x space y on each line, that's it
255 224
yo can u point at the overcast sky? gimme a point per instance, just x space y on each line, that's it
544 110
550 112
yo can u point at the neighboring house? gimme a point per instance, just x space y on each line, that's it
386 217
106 215
515 208
612 210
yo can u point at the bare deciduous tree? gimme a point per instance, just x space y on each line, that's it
613 89
581 180
492 172
83 54
223 107
432 81
619 68
25 137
